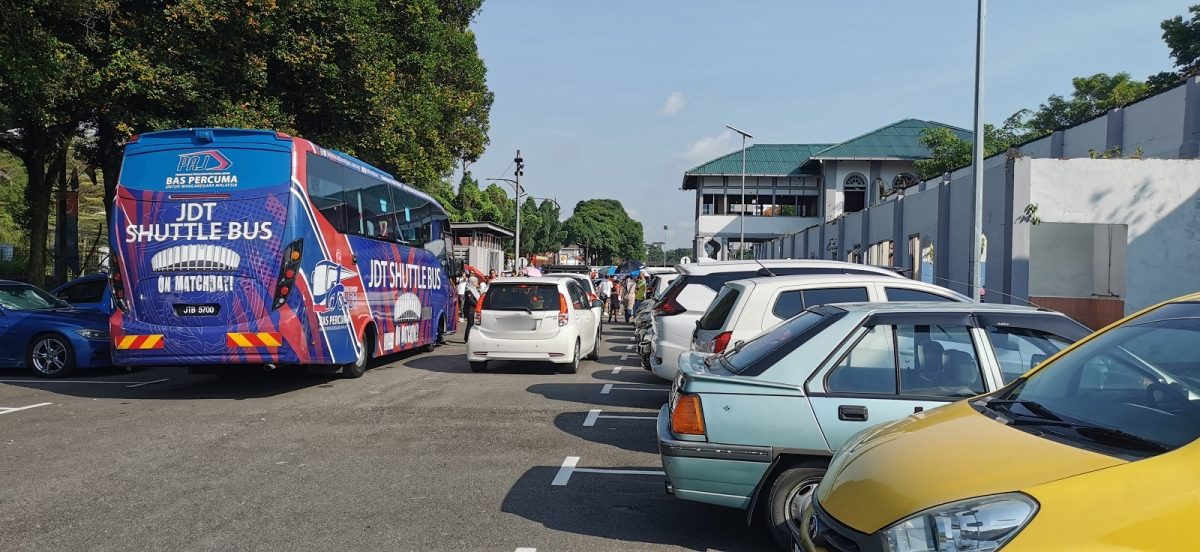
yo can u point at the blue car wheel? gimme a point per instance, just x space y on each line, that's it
50 356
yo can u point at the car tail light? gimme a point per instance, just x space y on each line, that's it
117 282
564 317
721 342
287 272
668 306
479 309
687 416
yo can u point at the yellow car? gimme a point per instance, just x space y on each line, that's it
1095 449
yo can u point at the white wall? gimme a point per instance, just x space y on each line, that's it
1158 200
730 225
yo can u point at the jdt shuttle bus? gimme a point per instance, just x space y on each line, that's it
252 247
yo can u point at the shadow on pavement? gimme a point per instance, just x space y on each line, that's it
627 508
251 383
590 393
457 363
626 434
633 375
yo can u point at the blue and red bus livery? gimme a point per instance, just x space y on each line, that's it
254 247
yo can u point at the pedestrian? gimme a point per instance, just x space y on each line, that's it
462 291
472 297
605 289
614 299
639 292
492 275
630 298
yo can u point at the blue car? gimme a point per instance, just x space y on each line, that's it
48 336
90 292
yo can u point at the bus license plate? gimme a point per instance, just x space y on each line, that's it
196 310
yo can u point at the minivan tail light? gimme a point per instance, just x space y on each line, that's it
287 272
668 306
564 317
721 342
479 309
687 416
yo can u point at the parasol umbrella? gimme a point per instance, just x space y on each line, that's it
531 271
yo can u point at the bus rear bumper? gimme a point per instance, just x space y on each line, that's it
198 346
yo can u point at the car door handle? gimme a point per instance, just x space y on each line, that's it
852 413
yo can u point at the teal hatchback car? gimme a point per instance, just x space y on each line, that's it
754 428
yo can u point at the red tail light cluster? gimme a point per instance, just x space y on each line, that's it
479 309
287 273
117 283
721 342
564 317
668 306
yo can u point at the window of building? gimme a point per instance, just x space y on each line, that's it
902 181
854 191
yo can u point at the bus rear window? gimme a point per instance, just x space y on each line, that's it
522 297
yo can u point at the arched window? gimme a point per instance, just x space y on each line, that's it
854 190
902 181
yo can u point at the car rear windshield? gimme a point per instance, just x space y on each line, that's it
782 339
522 297
719 311
716 280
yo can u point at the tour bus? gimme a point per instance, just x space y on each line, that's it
252 247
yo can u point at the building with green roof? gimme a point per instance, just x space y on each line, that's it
792 186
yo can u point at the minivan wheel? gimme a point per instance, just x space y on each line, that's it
595 354
790 493
359 367
573 367
50 356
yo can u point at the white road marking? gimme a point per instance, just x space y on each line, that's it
564 472
606 389
4 410
617 369
627 417
631 338
656 388
629 347
591 417
149 382
525 549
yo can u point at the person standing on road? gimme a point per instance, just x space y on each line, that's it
462 292
630 298
472 296
605 289
614 298
639 292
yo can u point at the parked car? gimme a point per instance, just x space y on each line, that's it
1094 449
676 314
541 319
643 324
48 336
744 308
589 288
755 426
90 292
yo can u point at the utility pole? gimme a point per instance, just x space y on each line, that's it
742 212
977 159
517 244
664 247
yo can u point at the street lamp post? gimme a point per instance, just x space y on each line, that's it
977 159
516 184
664 247
742 211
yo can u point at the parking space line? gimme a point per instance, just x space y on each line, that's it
631 338
4 410
525 549
617 369
149 382
629 347
655 388
591 417
594 414
564 472
606 389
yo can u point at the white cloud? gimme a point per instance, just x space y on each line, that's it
675 103
710 147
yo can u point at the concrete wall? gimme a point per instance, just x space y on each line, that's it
1158 201
1090 136
729 226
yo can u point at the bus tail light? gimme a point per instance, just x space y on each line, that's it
564 317
479 309
287 272
687 416
117 283
721 342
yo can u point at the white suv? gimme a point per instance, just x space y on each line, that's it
745 308
540 319
676 314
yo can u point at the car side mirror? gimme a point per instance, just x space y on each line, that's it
597 304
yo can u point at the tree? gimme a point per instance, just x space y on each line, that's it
1183 39
949 152
1092 96
604 228
549 235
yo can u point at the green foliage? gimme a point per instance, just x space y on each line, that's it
13 213
1183 39
1092 96
949 152
605 230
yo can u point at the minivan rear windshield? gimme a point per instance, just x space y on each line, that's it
719 311
522 297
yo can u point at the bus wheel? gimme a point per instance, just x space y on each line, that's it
439 338
359 367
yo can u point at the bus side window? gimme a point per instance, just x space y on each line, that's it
325 190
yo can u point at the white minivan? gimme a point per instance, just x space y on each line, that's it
545 319
675 315
745 308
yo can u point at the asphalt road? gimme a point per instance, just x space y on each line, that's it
418 454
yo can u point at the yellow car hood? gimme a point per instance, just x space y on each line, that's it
947 454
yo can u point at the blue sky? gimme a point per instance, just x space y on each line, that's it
616 98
